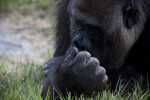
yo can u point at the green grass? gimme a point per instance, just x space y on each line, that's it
22 83
26 6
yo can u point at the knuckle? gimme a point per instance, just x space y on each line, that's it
94 61
85 53
100 71
44 67
45 73
105 79
103 70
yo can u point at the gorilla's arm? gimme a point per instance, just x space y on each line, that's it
78 73
49 70
52 64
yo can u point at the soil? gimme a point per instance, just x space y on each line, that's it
23 37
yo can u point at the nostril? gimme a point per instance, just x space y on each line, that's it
79 45
76 44
82 48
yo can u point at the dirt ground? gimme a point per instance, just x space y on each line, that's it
26 37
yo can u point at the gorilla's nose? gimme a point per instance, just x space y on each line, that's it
81 42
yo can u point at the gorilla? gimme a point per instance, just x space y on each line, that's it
95 36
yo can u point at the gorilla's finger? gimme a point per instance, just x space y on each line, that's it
82 57
44 67
53 62
73 54
50 64
93 62
46 72
105 79
75 51
100 71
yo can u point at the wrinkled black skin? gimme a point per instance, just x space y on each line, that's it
135 63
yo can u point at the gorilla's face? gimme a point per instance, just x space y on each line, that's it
107 29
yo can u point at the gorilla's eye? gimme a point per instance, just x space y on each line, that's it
79 24
83 24
130 17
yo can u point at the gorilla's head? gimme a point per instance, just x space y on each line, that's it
107 28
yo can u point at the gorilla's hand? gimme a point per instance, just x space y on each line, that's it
84 71
52 64
78 72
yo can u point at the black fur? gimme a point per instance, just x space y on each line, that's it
120 44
